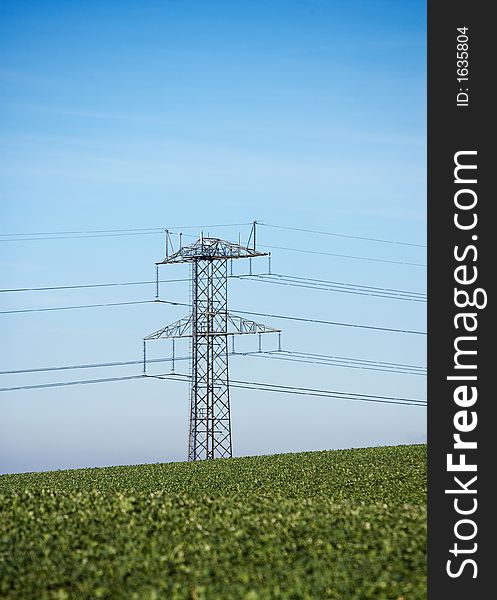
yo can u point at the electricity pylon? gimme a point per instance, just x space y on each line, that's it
209 325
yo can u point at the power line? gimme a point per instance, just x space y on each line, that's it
149 230
56 308
358 360
210 429
348 284
322 394
297 356
324 322
340 287
111 364
90 366
243 312
334 392
77 237
342 235
239 384
288 356
296 281
354 257
291 358
269 387
105 284
89 285
65 383
86 231
91 233
81 234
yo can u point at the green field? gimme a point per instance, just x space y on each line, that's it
348 525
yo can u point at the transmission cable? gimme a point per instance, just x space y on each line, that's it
79 306
279 354
95 233
342 235
324 322
242 312
312 392
351 256
38 386
292 280
315 360
240 384
340 287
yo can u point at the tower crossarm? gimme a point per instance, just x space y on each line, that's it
207 248
179 329
242 326
236 326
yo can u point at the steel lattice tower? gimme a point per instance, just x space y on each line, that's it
209 325
210 416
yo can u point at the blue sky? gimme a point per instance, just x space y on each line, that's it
127 114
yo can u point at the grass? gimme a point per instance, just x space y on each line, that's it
348 524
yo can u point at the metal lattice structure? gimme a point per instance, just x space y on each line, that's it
209 326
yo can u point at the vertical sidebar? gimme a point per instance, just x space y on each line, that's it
461 323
